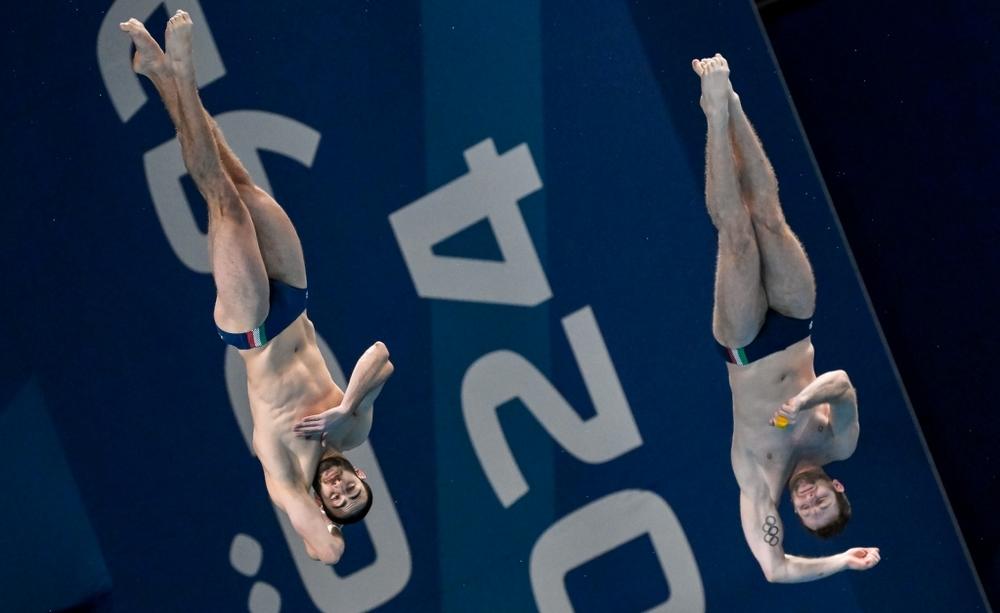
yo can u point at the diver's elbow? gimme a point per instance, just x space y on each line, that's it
771 573
330 555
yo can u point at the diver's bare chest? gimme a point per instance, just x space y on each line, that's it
775 448
286 457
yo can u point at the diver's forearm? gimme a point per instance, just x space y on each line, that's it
800 570
829 387
370 372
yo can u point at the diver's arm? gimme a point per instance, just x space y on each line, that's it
843 399
321 537
370 374
800 570
367 379
808 569
835 388
764 532
832 387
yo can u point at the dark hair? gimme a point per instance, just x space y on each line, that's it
837 525
355 516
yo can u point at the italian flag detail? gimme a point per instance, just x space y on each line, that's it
256 337
738 356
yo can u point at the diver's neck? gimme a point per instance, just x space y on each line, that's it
804 465
330 452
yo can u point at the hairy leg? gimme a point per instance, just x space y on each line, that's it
237 265
279 242
277 239
788 277
740 303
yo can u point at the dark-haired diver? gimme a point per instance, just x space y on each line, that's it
787 422
302 420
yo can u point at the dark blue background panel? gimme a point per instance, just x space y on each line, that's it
510 196
52 559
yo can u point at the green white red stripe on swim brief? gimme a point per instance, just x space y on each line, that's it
257 337
738 356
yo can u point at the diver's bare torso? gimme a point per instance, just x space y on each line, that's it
760 451
287 380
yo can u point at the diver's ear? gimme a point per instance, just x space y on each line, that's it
361 474
837 485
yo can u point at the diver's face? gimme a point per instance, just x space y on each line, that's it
341 488
815 501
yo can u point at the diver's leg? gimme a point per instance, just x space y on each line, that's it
788 277
740 303
150 61
276 237
279 242
237 265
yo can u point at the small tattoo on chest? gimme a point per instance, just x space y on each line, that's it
771 530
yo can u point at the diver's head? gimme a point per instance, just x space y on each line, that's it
342 488
819 502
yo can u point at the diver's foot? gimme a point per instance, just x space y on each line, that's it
716 89
179 47
149 60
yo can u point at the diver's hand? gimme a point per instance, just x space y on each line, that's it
316 426
788 413
861 558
